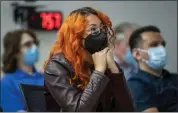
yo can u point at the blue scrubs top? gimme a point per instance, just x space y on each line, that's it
11 95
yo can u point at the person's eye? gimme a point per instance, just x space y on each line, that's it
154 44
29 44
93 29
95 32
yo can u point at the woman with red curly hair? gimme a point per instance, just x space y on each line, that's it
80 73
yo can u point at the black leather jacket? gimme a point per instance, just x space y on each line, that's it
104 92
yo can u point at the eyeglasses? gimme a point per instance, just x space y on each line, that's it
97 30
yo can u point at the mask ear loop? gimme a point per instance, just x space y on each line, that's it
145 51
142 50
83 46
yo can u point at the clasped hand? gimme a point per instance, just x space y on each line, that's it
104 59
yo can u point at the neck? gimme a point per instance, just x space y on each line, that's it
27 69
148 69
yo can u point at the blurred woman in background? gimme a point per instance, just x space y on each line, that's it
20 54
81 74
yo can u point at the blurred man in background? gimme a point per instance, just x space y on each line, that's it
19 57
153 88
122 53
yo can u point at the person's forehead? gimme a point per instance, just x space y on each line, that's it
151 36
124 36
25 38
129 30
93 20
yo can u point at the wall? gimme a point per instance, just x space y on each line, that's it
160 13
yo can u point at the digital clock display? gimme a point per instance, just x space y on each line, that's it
43 20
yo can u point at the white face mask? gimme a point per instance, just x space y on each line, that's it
157 57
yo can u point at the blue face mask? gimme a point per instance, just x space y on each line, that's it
128 58
157 57
31 56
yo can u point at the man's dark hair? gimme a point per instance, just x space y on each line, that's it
135 38
11 44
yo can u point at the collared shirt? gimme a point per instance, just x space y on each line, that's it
11 95
128 71
149 91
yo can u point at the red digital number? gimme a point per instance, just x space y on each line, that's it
47 21
57 17
50 20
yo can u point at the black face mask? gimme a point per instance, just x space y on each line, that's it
95 43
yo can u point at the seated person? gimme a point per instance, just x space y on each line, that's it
122 53
153 88
20 54
81 73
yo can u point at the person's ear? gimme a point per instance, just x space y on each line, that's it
136 54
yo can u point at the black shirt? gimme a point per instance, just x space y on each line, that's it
149 91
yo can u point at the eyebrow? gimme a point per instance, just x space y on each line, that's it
95 24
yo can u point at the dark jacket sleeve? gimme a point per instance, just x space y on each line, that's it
122 96
68 97
123 101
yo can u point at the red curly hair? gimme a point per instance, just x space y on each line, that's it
69 42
